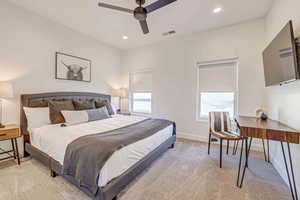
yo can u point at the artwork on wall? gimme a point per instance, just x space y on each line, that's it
72 68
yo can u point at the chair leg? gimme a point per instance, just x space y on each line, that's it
227 147
268 150
209 141
234 144
236 147
221 149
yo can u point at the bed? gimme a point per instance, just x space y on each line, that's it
48 144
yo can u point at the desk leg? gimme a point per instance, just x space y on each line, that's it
17 151
293 187
13 147
263 142
240 163
268 150
247 150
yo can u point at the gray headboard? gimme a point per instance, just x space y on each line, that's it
41 100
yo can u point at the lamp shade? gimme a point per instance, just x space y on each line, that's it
6 90
122 92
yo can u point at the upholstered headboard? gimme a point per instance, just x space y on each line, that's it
41 100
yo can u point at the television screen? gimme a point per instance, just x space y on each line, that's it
280 58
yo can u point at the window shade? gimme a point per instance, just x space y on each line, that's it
217 78
141 82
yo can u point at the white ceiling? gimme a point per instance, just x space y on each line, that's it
184 16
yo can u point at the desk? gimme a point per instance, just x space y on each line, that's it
251 127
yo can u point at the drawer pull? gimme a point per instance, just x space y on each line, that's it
3 134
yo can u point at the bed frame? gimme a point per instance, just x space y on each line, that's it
114 187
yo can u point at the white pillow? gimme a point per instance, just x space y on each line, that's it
75 117
37 117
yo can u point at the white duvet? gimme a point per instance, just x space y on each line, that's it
53 140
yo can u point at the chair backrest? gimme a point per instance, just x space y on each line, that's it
219 122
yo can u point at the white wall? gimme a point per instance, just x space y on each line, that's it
175 78
27 57
283 101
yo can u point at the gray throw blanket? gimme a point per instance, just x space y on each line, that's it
85 156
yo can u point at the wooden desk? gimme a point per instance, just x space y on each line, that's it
268 129
251 127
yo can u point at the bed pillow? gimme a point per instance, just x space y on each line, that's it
102 103
36 117
114 109
83 116
84 105
55 108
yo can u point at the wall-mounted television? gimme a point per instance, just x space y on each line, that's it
280 58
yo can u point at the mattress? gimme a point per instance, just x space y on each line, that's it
53 140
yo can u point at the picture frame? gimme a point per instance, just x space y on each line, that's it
72 68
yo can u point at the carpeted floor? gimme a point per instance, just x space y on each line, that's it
183 173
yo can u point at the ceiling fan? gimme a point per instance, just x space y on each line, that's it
140 13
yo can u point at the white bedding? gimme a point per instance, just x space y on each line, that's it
53 140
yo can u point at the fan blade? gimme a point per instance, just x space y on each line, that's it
158 4
105 5
144 26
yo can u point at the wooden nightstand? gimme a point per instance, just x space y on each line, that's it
10 132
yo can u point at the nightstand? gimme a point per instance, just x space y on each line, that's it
124 113
10 132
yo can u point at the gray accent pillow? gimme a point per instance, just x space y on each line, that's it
83 116
97 114
101 103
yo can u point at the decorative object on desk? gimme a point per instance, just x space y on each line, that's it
6 91
68 67
262 114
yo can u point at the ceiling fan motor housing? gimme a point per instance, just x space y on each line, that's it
140 13
140 2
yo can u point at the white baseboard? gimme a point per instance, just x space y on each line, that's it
256 144
191 136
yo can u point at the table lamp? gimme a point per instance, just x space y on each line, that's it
6 91
122 94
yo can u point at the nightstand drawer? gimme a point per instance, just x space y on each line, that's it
8 134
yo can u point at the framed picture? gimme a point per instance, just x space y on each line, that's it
73 68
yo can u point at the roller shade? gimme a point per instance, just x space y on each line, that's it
141 81
217 78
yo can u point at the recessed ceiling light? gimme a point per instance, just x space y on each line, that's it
125 37
169 33
217 10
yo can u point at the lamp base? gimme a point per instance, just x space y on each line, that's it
2 126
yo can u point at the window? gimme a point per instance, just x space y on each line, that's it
141 92
217 88
141 103
216 101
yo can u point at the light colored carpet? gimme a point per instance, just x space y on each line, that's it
186 172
